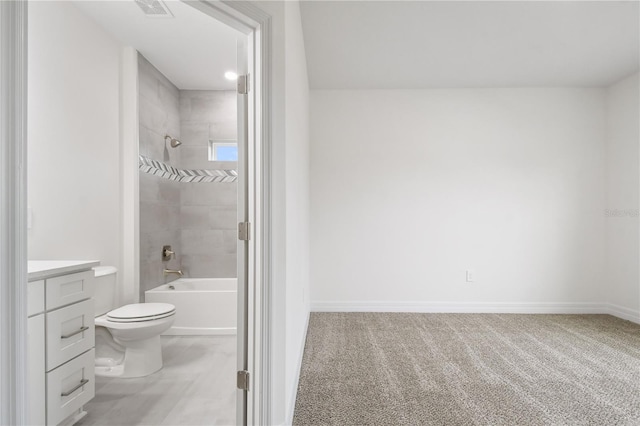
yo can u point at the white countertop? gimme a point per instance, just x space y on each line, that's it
39 269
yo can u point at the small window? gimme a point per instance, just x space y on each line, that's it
225 150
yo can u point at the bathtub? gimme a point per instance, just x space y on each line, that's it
204 306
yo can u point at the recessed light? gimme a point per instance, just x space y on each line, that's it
230 75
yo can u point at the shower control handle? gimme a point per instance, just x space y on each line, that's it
167 253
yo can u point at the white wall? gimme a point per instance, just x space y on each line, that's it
297 200
409 189
622 288
73 139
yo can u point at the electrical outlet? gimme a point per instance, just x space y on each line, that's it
471 275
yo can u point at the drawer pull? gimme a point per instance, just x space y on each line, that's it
66 336
75 388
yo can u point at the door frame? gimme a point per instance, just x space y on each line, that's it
256 24
243 16
13 212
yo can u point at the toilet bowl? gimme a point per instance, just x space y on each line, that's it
128 337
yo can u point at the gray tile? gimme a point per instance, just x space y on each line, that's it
150 276
223 130
223 165
208 242
169 95
152 115
194 133
174 127
195 217
198 266
147 83
195 157
225 266
229 241
148 241
210 266
159 110
198 219
158 217
185 103
150 143
146 70
169 192
149 218
149 187
195 242
205 105
223 217
195 387
209 194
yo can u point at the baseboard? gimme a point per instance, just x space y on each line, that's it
618 311
292 402
448 307
628 314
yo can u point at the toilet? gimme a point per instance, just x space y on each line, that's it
127 337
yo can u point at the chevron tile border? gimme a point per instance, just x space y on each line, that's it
163 170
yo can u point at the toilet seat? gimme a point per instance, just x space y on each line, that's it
140 312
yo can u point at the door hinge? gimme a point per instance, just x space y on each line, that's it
243 84
244 231
243 380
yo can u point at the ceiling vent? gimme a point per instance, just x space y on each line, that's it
154 8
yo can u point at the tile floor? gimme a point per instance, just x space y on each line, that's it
195 387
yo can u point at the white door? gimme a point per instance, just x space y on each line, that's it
243 218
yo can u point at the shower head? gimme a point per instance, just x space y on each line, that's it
172 141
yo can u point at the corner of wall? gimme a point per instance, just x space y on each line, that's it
622 177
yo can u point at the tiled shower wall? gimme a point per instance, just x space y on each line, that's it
197 219
159 114
207 210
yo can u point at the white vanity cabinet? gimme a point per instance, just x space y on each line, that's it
61 341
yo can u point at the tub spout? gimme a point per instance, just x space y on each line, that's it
172 271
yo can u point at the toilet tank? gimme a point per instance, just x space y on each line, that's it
105 289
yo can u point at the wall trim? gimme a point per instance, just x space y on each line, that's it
618 311
460 307
167 171
294 395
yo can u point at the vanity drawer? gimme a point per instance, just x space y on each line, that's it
35 297
70 332
69 387
69 289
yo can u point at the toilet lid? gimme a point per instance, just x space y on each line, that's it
137 312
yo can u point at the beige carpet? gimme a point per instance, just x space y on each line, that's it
469 369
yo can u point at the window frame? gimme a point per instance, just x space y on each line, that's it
213 143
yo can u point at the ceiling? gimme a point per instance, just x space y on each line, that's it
434 44
191 49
